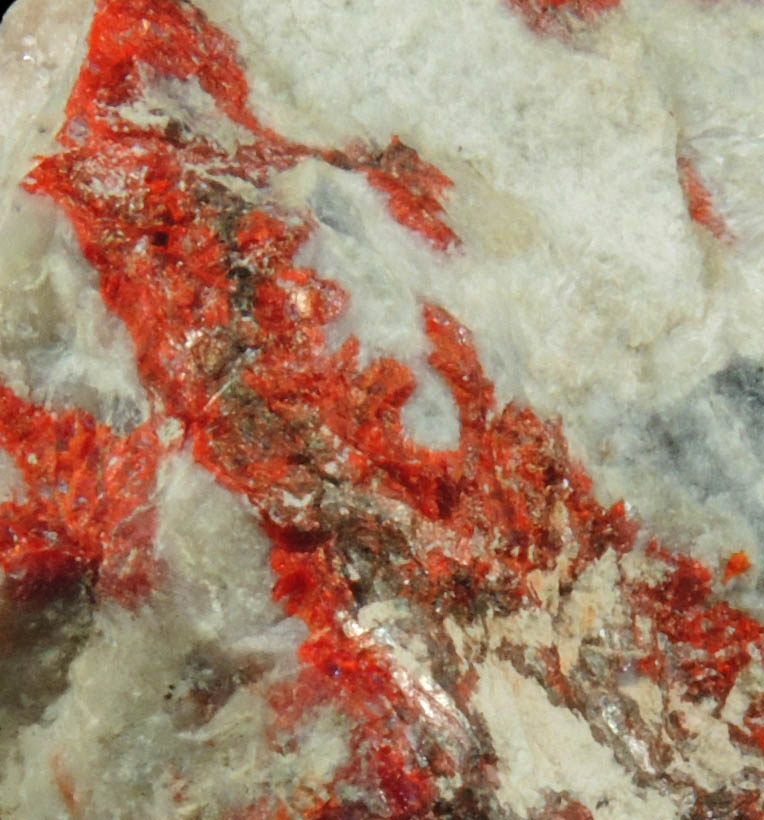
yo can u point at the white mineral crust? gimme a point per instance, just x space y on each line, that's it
591 294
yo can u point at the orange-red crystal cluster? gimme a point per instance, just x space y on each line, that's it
88 513
712 641
229 337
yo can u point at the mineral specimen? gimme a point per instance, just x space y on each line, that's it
299 303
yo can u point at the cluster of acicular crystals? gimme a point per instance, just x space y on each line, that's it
88 510
229 338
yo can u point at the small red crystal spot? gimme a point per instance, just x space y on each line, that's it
549 16
737 564
562 807
652 666
699 201
753 721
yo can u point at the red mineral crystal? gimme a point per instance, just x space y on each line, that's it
713 640
737 564
554 16
88 515
699 201
415 188
229 335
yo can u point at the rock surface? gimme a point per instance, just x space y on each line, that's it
380 410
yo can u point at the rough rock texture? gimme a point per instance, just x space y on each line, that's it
380 395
